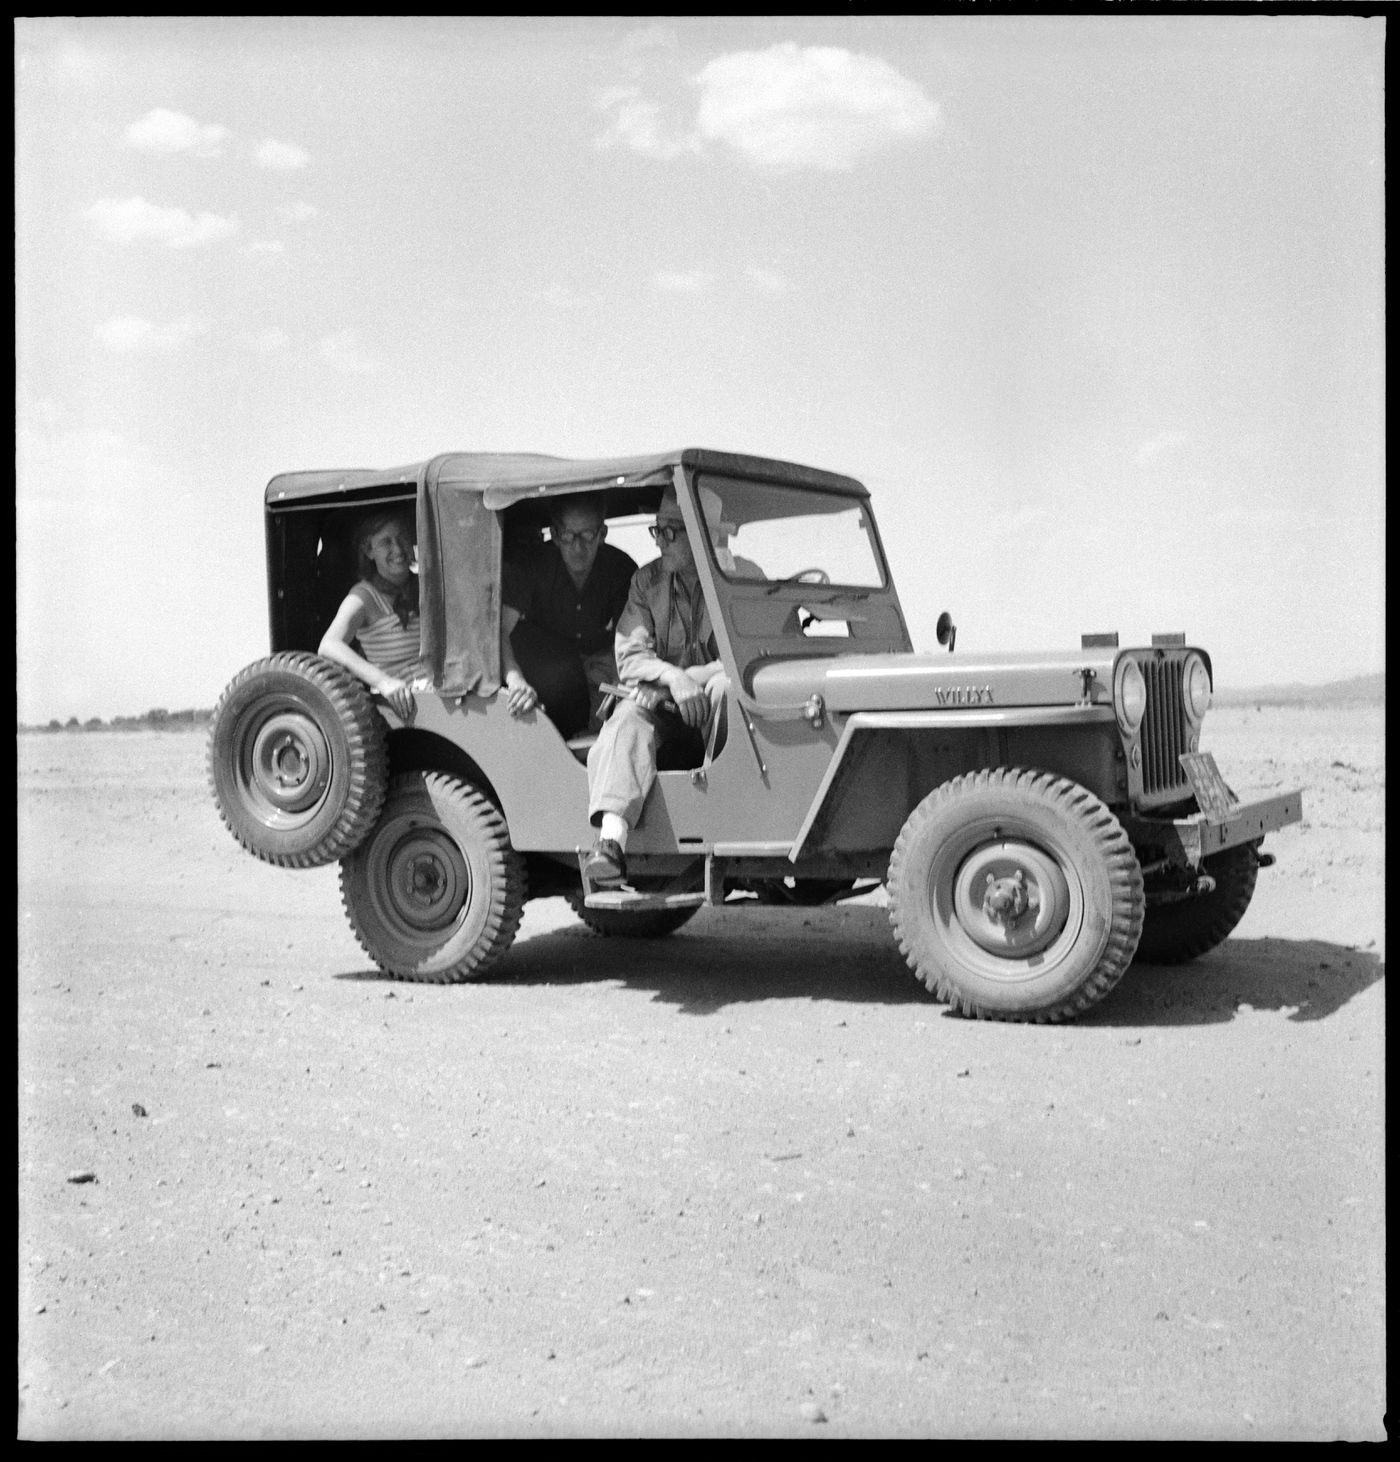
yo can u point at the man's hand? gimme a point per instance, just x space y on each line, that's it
520 694
690 697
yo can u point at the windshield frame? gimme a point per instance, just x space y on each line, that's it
715 480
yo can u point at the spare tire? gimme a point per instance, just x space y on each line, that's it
298 762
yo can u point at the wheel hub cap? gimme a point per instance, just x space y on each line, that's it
291 762
429 881
1011 898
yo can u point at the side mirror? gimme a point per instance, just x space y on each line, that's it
947 631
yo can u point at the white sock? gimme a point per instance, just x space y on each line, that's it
615 828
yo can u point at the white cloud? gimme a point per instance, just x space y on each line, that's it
127 220
344 353
636 125
284 157
298 212
264 342
767 281
647 39
787 107
674 282
166 131
809 107
266 246
1166 441
129 334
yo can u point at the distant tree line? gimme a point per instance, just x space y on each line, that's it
158 719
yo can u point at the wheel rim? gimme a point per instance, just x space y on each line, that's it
1035 913
1011 898
422 882
286 768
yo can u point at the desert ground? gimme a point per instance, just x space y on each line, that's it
745 1181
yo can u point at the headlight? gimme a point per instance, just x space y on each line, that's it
1129 696
1195 687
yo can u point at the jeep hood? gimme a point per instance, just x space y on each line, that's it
928 682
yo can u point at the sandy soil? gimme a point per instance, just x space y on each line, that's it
746 1180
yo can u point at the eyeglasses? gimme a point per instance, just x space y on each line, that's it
583 539
666 533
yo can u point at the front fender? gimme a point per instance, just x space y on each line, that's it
939 745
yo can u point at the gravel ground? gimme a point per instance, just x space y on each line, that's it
747 1180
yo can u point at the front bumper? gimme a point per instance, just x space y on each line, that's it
1188 841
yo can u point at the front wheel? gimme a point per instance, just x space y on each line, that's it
435 892
1016 895
1177 932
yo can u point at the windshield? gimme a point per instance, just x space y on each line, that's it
765 532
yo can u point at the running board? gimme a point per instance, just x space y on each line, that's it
633 899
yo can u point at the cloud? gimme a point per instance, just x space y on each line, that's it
814 107
788 107
1166 441
298 212
171 132
127 220
130 334
283 157
636 125
264 342
646 39
767 281
674 282
266 246
343 352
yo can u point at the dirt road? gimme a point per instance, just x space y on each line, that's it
747 1180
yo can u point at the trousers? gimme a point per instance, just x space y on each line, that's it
632 746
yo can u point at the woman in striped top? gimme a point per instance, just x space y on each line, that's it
381 614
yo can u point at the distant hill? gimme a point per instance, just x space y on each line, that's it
1361 690
157 720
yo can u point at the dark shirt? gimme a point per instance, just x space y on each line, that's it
538 587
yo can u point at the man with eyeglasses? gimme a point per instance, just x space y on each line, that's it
560 602
664 639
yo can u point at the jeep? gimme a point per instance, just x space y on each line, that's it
1038 820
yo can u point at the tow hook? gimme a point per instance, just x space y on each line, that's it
1264 860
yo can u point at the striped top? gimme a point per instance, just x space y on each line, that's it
386 643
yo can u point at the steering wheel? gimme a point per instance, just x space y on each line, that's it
802 576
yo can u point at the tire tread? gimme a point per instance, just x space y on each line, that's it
1120 861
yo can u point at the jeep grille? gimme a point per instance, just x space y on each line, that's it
1164 733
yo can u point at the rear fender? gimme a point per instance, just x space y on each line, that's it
523 765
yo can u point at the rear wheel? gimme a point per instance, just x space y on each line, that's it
1184 929
297 760
1016 895
435 892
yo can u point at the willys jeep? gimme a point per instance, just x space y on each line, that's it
1038 820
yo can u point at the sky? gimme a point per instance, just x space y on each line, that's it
1093 305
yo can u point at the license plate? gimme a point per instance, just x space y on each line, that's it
1213 797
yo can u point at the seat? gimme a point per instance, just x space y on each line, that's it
581 745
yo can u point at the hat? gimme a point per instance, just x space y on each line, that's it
713 505
710 504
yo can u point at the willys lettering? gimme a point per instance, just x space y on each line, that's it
964 695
